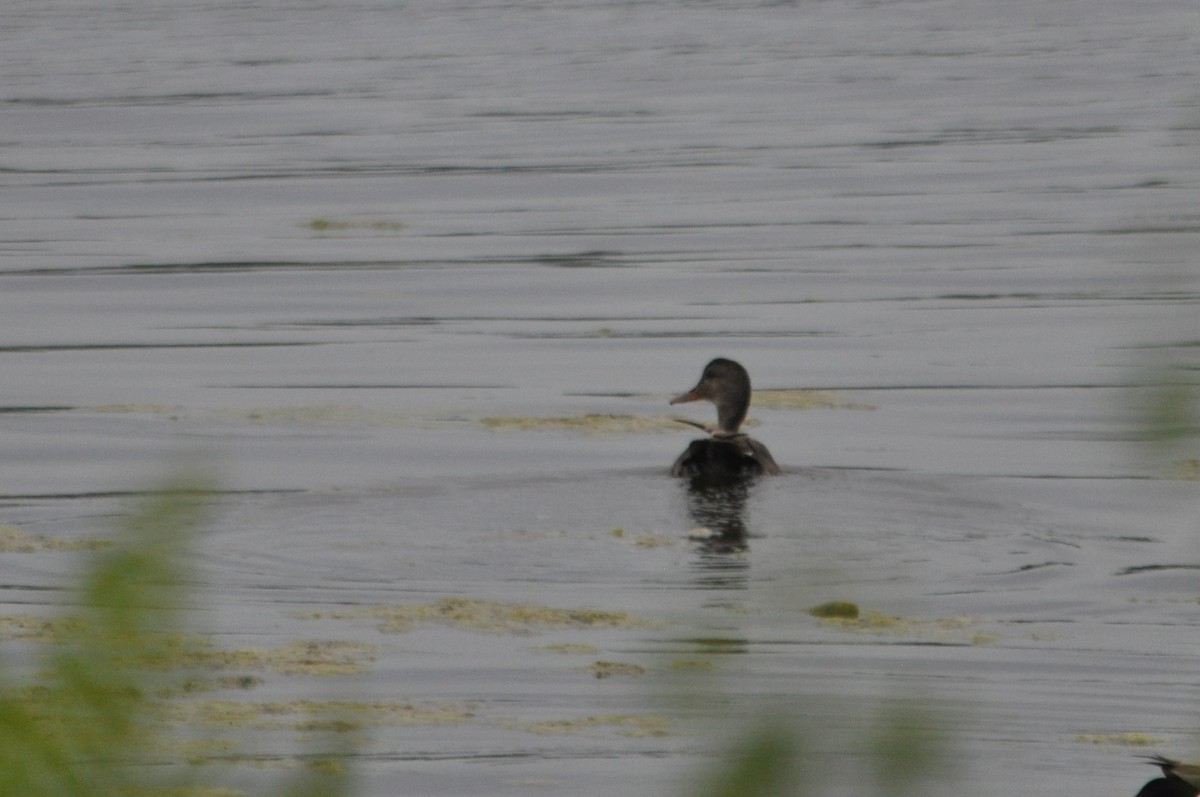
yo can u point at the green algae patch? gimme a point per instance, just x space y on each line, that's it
841 610
128 408
194 685
655 540
1186 470
590 423
1124 739
301 657
634 725
322 415
569 647
305 414
608 669
173 650
14 540
346 225
483 615
800 399
315 715
39 629
959 628
203 751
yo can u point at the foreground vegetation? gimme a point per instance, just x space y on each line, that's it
94 717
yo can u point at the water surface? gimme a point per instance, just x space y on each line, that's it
318 245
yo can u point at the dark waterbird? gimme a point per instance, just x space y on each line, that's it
726 454
1179 779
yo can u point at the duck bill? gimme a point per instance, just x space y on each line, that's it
683 398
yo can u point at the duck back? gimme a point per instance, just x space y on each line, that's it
717 459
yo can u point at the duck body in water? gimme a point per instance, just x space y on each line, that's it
727 454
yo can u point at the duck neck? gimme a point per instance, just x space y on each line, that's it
731 411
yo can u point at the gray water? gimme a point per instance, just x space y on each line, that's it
314 246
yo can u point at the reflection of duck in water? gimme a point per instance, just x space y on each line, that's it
1179 779
728 453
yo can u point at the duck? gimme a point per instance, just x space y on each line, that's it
1178 780
727 453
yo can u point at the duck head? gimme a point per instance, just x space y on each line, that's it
727 385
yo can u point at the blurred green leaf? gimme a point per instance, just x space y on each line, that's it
910 747
764 764
91 723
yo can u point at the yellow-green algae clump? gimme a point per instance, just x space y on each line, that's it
484 615
590 423
569 647
1127 739
176 650
602 423
39 629
308 715
14 540
847 615
303 414
636 725
299 657
842 610
607 669
803 399
1187 470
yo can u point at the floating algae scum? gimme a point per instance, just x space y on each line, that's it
172 683
14 540
482 615
546 637
590 423
202 688
598 423
587 423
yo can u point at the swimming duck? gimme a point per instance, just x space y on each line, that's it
727 453
1179 779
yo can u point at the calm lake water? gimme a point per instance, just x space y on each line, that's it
358 257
